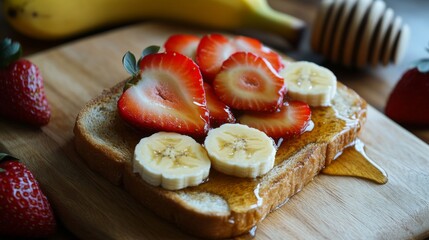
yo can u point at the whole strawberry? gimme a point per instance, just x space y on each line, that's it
22 95
409 101
24 209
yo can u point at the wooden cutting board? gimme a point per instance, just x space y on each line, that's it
92 208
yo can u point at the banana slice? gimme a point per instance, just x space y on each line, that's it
310 83
171 160
239 150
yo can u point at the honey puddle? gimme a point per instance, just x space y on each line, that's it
247 236
354 162
243 194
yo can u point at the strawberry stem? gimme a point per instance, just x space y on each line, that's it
422 65
9 52
4 157
130 63
133 67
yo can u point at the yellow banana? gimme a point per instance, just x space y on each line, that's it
57 19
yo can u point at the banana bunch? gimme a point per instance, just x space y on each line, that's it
56 19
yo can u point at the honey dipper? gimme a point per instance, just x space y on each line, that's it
358 33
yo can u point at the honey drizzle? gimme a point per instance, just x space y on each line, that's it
354 162
242 194
249 235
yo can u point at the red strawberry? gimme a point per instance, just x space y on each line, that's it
219 112
185 44
214 49
289 121
409 101
246 44
248 82
165 94
24 209
23 95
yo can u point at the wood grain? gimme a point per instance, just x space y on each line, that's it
92 208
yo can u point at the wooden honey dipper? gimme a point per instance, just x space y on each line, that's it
358 33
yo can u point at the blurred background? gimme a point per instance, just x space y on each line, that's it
374 84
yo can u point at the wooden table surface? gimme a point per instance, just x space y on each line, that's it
373 84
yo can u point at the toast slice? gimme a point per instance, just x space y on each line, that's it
224 206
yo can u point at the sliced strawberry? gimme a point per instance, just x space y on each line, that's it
218 111
185 44
248 82
289 121
214 49
246 44
167 95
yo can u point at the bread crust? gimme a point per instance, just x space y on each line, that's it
294 169
108 163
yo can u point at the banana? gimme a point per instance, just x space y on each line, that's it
310 83
57 19
171 160
239 150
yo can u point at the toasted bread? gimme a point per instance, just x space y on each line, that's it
224 206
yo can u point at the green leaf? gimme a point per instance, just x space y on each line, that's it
129 62
132 66
130 82
4 156
9 52
423 66
150 50
4 43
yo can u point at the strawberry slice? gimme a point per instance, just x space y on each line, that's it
185 44
290 120
214 49
248 82
247 44
166 94
218 111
